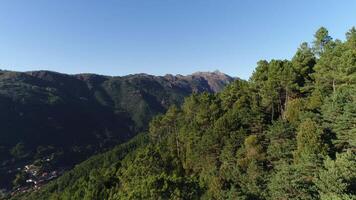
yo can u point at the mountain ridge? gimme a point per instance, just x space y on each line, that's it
71 117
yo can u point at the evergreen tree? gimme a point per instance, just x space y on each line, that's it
303 63
321 41
287 133
337 180
291 182
310 145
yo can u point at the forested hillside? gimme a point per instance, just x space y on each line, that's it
50 121
287 133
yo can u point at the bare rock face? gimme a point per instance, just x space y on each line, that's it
202 81
216 80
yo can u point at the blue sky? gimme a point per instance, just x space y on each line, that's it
161 36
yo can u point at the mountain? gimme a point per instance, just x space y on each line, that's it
65 118
286 133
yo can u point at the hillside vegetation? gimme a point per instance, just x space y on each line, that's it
52 120
287 133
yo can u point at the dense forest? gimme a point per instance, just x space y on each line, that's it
289 132
50 121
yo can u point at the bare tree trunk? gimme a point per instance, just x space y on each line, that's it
176 137
334 90
334 86
280 107
177 144
286 100
272 111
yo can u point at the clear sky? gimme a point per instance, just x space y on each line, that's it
161 36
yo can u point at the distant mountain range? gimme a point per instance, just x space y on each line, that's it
66 118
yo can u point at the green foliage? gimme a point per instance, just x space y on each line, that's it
303 63
310 144
71 117
291 182
282 142
94 178
321 41
340 116
337 180
287 133
294 110
149 176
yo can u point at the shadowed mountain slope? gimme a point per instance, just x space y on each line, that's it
67 118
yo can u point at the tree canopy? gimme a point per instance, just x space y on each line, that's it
287 133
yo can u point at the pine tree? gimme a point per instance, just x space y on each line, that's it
337 180
303 63
310 145
321 41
